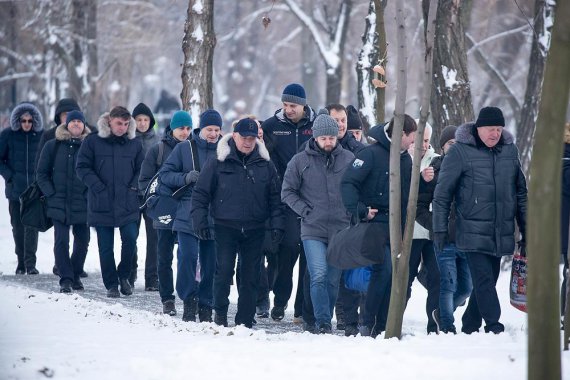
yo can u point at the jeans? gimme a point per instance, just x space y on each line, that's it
151 261
455 283
166 241
422 250
249 244
378 294
106 240
324 280
484 301
187 254
207 270
25 239
70 268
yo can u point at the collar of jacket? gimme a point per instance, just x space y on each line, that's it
105 128
203 143
465 135
62 134
226 149
309 116
149 134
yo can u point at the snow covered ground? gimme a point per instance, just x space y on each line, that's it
85 336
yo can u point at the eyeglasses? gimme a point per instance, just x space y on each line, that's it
25 121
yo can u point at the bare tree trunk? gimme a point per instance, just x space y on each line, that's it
543 16
371 100
198 47
334 74
451 102
544 197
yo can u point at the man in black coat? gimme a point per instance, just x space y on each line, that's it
482 173
18 146
109 163
241 190
365 194
284 133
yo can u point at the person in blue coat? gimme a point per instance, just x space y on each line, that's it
108 164
66 200
18 147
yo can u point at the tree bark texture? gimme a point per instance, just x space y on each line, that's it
334 74
198 47
544 199
451 102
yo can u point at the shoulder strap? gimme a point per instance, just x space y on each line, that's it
160 156
194 152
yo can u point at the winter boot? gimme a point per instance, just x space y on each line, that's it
205 314
169 308
277 313
20 269
125 287
32 270
113 292
351 330
325 328
190 308
65 287
151 285
221 320
77 284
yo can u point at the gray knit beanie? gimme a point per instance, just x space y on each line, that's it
324 125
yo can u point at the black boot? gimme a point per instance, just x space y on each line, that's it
65 286
20 269
77 284
125 287
169 308
113 292
205 314
190 309
221 320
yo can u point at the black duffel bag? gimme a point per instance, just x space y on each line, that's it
33 209
359 245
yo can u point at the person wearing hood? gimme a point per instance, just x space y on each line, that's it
176 133
483 175
365 194
284 133
66 199
146 133
311 188
240 190
18 149
109 163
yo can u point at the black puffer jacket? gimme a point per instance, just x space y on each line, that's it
18 151
66 194
489 189
366 182
241 192
109 166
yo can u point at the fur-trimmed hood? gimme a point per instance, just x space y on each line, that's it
62 134
224 149
23 108
105 129
466 134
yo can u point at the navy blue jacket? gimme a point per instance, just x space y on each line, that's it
18 151
65 193
283 138
240 192
109 166
366 183
206 150
489 189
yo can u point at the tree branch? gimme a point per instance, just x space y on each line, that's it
494 37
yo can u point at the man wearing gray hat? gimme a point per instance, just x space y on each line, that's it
311 188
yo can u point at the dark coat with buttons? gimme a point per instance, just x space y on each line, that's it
241 192
311 188
109 166
65 193
18 151
490 192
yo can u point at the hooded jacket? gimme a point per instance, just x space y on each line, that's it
489 189
109 166
65 193
311 188
241 192
18 151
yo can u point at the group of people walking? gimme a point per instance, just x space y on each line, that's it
275 191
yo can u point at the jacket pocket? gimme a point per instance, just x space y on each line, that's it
99 202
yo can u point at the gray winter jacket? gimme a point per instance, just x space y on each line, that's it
311 187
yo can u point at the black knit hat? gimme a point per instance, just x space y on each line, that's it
142 109
210 117
294 93
447 134
353 118
64 105
490 117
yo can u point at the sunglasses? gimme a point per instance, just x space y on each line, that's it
25 121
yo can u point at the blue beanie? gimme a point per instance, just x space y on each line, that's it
294 93
180 119
74 115
210 117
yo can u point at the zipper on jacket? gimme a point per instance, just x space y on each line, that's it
27 160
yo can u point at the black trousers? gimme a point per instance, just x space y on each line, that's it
151 261
348 303
484 301
166 241
422 249
25 239
70 267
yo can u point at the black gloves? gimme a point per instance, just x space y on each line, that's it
204 234
276 236
439 240
191 177
522 247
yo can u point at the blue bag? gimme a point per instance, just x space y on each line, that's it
357 278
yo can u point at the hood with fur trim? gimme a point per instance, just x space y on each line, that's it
105 129
22 108
466 134
223 150
62 134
